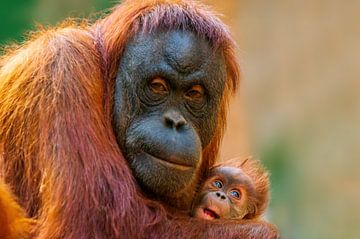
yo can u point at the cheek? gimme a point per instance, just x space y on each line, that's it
208 124
238 211
126 106
200 200
206 127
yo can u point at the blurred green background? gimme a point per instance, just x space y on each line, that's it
298 109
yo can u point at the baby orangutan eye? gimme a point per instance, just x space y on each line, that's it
235 194
218 184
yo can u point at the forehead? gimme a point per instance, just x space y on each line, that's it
176 50
185 46
232 175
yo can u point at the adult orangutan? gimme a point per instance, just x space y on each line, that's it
88 113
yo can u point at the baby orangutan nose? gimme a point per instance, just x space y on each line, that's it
220 195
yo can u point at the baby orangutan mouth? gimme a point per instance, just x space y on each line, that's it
209 213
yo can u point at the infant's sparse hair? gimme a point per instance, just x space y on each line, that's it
260 178
246 179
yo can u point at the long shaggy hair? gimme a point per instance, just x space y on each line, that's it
59 151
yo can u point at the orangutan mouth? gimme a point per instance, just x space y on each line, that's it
211 213
171 163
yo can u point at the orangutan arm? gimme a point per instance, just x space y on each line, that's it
13 221
197 228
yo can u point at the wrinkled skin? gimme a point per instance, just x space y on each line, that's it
166 105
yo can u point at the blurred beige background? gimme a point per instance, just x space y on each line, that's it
298 109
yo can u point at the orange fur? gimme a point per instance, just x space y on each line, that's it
59 150
13 221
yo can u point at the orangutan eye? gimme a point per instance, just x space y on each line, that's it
218 184
235 194
159 86
196 93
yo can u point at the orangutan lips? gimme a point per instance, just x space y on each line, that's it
211 213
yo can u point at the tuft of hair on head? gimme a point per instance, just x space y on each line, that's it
135 16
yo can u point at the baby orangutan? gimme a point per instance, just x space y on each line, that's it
233 191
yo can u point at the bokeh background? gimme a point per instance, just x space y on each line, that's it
298 109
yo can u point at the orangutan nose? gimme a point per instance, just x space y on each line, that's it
221 195
174 120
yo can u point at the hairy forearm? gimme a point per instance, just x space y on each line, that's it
13 220
186 227
243 230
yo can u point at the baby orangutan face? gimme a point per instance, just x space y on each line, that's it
225 194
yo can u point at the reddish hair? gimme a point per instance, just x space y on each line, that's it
59 151
13 221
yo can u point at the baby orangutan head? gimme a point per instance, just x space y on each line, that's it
233 192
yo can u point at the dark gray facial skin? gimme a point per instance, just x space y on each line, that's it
163 128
